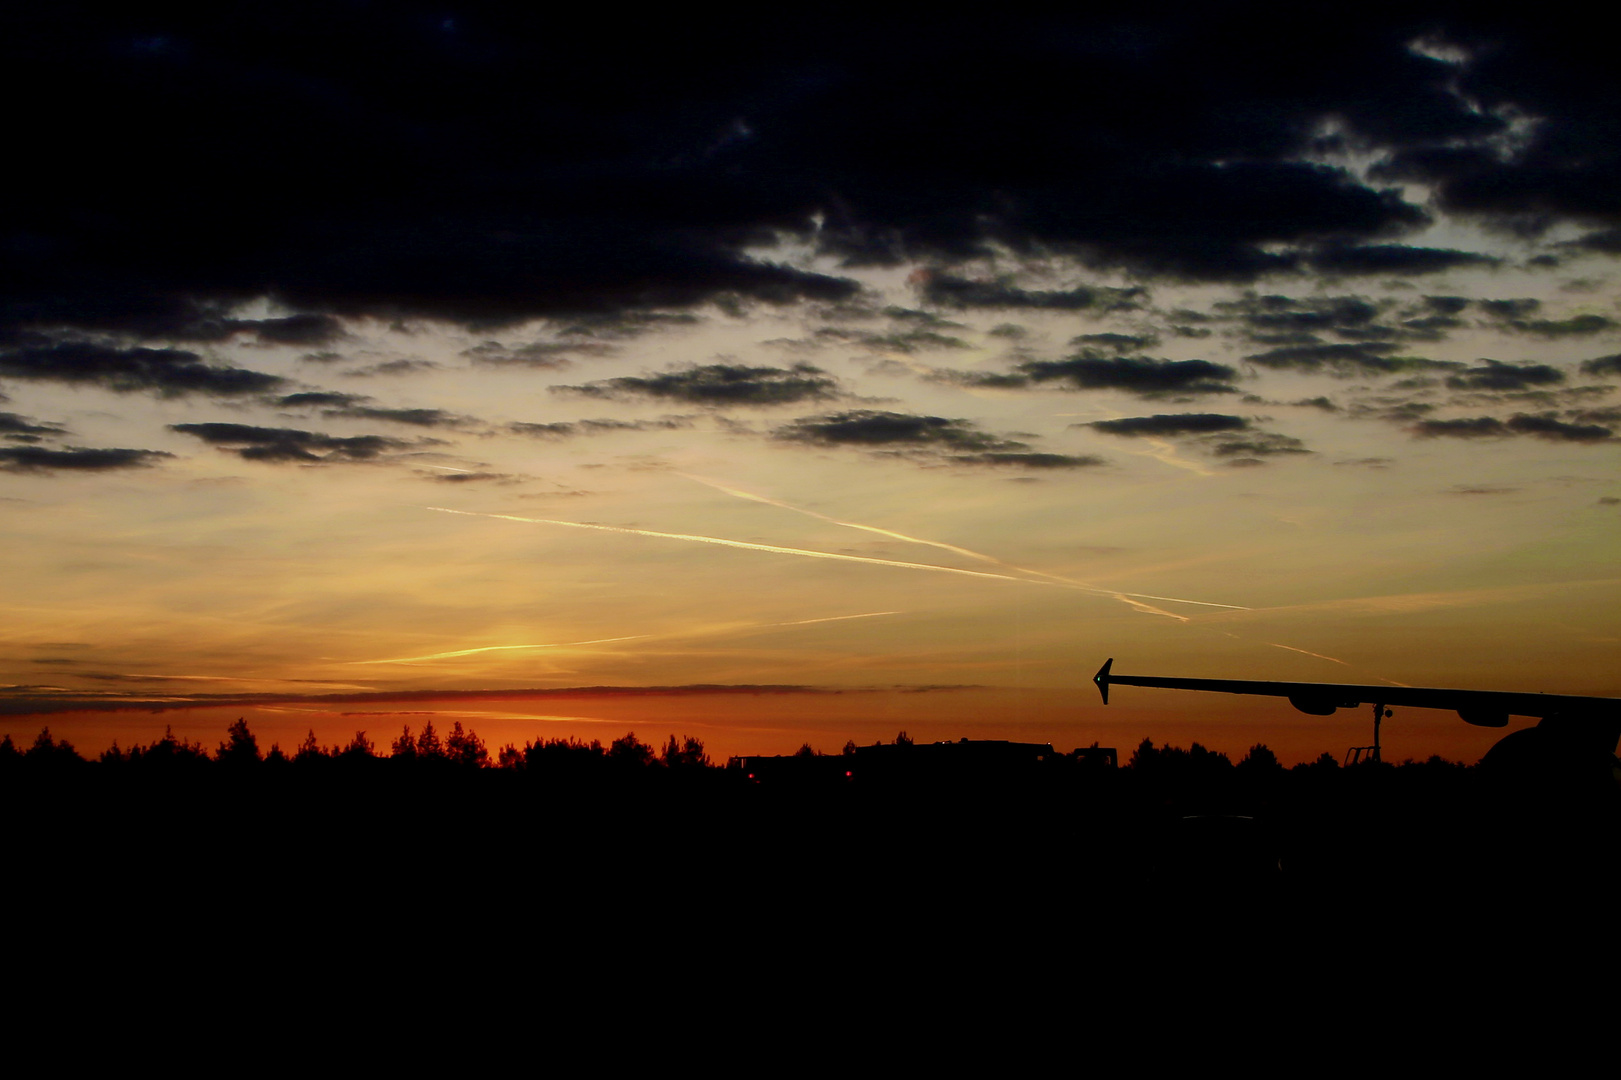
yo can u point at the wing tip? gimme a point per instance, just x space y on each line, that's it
1102 679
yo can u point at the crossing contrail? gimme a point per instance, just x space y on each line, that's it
746 546
1098 590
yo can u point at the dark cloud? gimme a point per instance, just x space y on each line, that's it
1258 445
1539 426
1573 326
907 341
719 385
1172 424
491 169
403 366
1603 365
565 429
1549 427
1117 343
927 438
27 429
1344 359
1517 315
318 398
950 291
934 437
351 406
1028 460
925 318
622 325
1394 259
870 428
499 479
38 459
1511 310
540 354
414 417
1138 375
989 380
168 372
1493 375
297 330
1273 319
289 444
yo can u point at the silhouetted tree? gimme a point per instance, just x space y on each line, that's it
466 748
405 747
509 757
170 753
630 752
562 757
359 748
240 747
52 752
1144 757
849 746
685 754
309 750
1260 760
805 751
428 744
903 739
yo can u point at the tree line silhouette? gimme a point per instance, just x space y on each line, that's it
460 748
354 812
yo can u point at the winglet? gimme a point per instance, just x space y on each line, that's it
1102 679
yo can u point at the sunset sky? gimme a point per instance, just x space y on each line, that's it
804 380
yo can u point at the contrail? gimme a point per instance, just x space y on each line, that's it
834 618
772 548
981 556
495 648
1308 652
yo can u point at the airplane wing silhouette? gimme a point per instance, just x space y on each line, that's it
1483 708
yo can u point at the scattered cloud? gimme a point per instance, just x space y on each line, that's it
1394 259
719 385
167 372
934 437
948 290
403 366
291 445
1345 359
1142 376
1162 425
545 355
1493 375
39 459
566 429
1543 426
870 428
16 428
